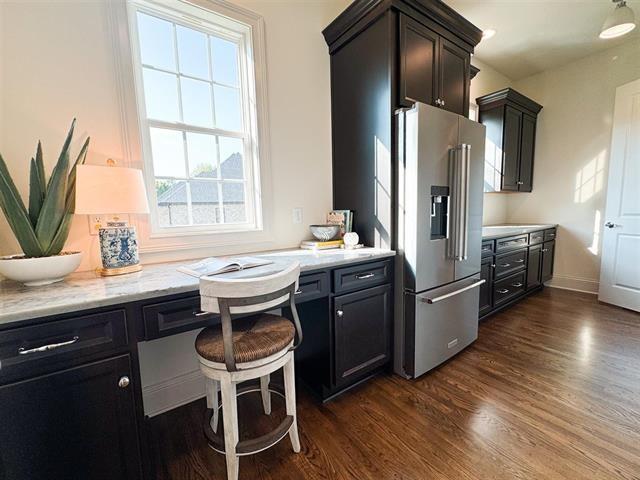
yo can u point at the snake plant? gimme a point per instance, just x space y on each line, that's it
42 228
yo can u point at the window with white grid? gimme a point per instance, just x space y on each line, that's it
195 86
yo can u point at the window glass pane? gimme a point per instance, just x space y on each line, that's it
156 42
231 158
161 95
227 105
201 151
167 150
204 198
172 202
196 102
234 208
193 54
224 61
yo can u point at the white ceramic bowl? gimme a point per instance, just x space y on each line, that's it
324 232
39 271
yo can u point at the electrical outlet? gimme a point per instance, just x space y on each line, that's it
95 222
297 215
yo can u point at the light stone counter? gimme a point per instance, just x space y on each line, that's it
86 290
499 231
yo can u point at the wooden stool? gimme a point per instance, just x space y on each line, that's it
255 347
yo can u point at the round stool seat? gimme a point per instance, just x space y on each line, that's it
254 338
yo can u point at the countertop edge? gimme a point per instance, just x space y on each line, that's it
522 230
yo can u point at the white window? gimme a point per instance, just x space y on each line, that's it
195 90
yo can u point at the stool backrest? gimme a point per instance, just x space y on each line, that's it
212 288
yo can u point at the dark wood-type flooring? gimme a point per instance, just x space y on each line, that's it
551 390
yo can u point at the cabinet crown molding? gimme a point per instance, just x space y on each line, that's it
508 95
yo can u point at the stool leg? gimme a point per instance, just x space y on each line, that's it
212 401
230 419
266 395
290 394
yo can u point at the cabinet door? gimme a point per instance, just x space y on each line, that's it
486 274
547 260
362 332
511 149
534 266
454 78
527 146
72 424
418 63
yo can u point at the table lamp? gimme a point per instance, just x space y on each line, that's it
112 190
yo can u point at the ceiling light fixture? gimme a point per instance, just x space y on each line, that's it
488 33
619 22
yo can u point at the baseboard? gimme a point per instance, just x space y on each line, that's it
172 393
576 284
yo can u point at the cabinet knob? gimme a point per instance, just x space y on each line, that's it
520 183
124 382
340 313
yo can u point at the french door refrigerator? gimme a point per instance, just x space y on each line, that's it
439 224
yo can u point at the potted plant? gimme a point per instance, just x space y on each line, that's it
42 228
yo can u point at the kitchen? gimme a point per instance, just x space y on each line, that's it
334 86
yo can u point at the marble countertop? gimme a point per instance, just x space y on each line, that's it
86 290
490 232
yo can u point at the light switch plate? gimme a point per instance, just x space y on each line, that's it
297 215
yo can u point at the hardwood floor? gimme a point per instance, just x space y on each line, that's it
551 390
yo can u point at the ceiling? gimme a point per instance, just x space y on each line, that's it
536 35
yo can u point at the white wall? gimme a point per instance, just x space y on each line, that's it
58 62
489 80
572 155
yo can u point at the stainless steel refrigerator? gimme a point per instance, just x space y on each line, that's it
439 224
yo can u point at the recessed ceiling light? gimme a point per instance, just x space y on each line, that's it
488 33
619 22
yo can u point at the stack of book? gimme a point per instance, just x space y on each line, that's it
320 245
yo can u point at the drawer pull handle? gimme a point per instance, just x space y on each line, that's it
517 285
520 261
505 265
502 291
364 276
297 292
45 348
199 314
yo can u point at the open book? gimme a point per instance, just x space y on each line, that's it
215 266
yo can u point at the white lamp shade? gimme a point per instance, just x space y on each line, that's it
619 22
109 190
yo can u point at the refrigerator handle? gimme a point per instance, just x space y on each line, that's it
459 180
464 222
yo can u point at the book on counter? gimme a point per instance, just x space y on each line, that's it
344 218
216 266
320 245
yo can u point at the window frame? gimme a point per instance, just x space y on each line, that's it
192 14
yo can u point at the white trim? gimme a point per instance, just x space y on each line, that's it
576 284
173 392
260 236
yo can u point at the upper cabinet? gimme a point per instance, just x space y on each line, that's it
510 118
433 70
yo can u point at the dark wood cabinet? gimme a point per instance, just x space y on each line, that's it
486 273
534 267
510 118
454 78
548 249
362 332
78 423
418 66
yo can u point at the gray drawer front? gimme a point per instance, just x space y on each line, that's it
550 234
312 287
510 263
511 243
508 288
175 316
361 276
487 248
38 348
536 237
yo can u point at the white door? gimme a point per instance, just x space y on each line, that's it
620 269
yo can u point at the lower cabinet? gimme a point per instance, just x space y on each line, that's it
362 332
77 423
486 297
534 265
548 249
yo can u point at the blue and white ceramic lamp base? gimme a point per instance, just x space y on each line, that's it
119 249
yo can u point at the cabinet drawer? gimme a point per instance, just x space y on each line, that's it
361 276
175 316
510 263
35 349
508 288
550 234
510 243
312 287
487 248
536 237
